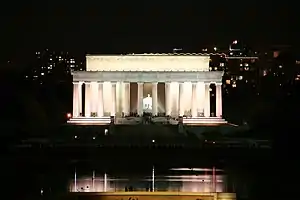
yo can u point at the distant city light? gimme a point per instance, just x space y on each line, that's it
153 141
235 42
215 48
105 131
75 136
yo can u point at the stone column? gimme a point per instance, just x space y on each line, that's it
181 99
154 99
219 99
87 99
94 97
80 99
168 103
201 98
75 99
207 100
126 100
113 99
100 107
140 97
194 98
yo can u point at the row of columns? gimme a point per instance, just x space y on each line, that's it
94 99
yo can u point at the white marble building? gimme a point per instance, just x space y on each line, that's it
108 80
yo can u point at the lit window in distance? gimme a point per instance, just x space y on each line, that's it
105 131
234 84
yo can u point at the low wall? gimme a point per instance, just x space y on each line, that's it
151 196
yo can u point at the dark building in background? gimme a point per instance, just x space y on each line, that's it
242 67
280 70
54 65
48 77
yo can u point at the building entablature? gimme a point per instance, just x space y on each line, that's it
151 76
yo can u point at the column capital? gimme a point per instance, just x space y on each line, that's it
140 83
218 84
100 82
154 83
113 82
78 82
194 82
87 82
207 83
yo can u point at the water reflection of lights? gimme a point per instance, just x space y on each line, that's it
207 182
196 169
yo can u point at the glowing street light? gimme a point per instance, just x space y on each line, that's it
69 115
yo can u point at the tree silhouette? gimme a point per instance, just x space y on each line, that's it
22 114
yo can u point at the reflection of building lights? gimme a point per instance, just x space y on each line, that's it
265 73
199 182
69 115
194 169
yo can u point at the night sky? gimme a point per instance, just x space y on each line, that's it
118 26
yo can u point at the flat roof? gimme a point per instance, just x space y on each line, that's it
160 54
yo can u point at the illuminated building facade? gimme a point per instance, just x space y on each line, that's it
179 85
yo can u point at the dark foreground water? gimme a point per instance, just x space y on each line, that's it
40 175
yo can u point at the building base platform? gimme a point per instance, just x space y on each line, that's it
90 121
204 120
137 120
